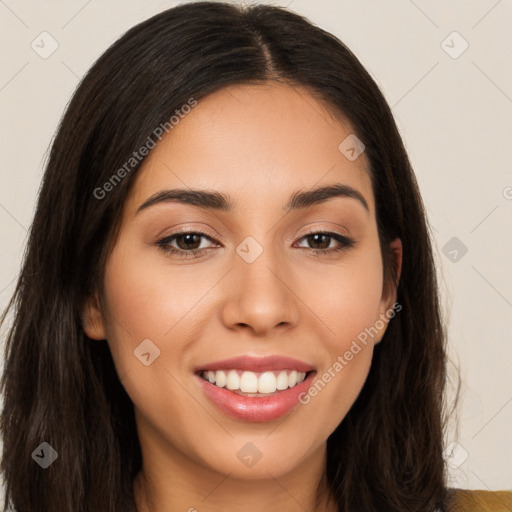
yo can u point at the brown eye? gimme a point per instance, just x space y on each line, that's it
188 241
186 244
321 242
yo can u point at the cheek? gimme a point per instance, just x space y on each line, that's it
348 304
346 295
147 300
335 390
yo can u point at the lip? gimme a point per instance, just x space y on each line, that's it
256 409
257 364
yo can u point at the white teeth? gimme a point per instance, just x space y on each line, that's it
267 383
282 381
250 382
233 380
220 379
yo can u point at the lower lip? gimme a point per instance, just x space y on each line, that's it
266 408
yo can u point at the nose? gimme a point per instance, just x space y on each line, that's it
259 296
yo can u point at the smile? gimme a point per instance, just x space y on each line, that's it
252 383
255 389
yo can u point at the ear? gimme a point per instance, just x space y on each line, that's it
92 318
389 293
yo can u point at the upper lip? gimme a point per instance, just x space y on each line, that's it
257 364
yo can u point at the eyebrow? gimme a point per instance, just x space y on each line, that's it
218 201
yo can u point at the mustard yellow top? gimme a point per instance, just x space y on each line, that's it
462 500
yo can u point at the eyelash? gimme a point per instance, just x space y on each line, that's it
164 243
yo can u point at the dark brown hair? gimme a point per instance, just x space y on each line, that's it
61 388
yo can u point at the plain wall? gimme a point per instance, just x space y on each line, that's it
454 111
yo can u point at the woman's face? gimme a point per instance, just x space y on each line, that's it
264 289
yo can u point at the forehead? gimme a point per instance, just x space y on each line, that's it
255 143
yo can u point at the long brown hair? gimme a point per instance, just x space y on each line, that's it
61 388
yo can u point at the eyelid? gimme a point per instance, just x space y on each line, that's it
321 231
189 227
314 227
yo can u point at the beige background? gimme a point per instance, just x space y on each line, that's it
453 108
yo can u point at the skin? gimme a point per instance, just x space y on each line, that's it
292 300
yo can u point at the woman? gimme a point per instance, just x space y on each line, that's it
228 297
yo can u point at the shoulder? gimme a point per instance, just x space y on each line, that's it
463 500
